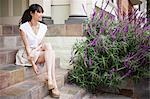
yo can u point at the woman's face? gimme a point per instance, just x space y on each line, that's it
37 16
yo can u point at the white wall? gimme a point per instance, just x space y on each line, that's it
60 9
17 7
14 20
4 6
14 16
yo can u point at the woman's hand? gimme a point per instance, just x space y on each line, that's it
35 68
30 58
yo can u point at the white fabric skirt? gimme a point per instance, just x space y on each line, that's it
22 59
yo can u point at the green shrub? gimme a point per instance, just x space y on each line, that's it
113 52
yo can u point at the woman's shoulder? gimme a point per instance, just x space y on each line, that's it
43 25
24 25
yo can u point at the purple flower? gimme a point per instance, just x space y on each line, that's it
85 57
127 74
93 43
90 61
93 15
146 28
101 30
89 31
126 28
111 17
84 9
113 70
145 47
105 23
126 63
101 14
113 34
94 50
129 57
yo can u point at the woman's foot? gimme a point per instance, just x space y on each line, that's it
50 86
55 93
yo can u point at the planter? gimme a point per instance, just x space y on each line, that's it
139 90
125 89
142 89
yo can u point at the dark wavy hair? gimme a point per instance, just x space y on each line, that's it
32 8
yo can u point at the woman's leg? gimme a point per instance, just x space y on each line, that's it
46 57
55 90
50 62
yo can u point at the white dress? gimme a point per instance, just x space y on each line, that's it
34 40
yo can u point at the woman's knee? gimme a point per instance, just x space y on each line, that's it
41 59
47 46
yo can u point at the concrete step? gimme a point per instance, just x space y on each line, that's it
30 73
9 30
33 88
10 41
7 56
70 92
14 74
29 89
105 96
10 75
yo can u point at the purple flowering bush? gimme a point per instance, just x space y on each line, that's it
113 52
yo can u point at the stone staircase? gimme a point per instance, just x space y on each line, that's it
17 82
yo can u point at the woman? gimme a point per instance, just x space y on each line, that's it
35 52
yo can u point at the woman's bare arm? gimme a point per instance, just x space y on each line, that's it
28 51
25 42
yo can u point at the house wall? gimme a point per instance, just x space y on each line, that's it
12 10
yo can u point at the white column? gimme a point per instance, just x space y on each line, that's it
78 11
77 7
